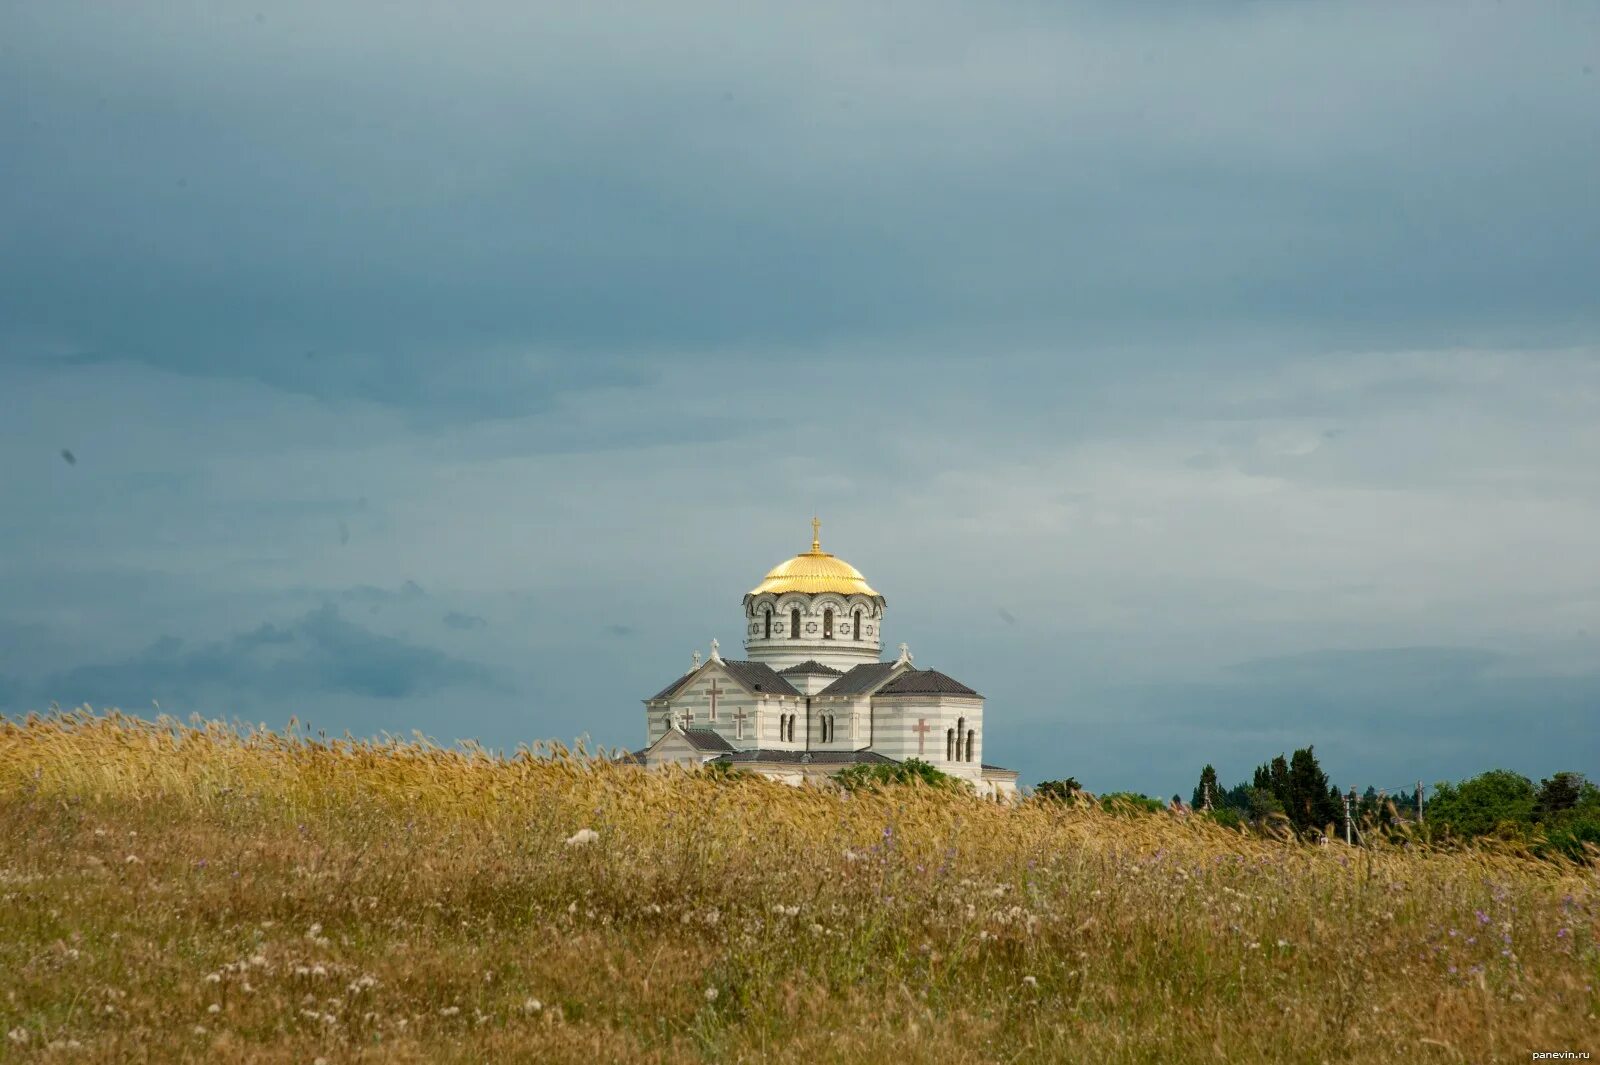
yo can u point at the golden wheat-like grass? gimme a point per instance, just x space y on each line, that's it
207 892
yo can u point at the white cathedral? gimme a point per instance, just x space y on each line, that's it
813 695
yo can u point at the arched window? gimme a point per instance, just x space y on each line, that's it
827 624
961 726
971 735
794 624
791 726
856 635
666 722
769 623
949 744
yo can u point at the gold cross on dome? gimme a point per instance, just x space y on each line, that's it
816 534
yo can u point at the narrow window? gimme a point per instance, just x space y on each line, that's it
791 726
961 726
971 734
769 623
794 624
949 744
827 624
856 635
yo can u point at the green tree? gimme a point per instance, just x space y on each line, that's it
1557 794
1481 805
1207 786
1274 778
1311 802
1131 802
1058 790
912 770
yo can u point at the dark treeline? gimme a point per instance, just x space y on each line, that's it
1561 814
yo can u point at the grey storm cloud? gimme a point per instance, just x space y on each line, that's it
1196 382
318 652
350 203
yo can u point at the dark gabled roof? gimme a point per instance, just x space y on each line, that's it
704 739
861 679
925 682
805 757
757 676
812 666
670 688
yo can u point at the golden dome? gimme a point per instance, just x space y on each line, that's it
813 572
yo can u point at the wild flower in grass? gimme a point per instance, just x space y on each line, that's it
213 978
582 837
18 1036
1483 918
450 1011
199 1029
1563 933
711 994
531 1005
1031 981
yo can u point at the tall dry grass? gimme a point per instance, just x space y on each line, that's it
178 892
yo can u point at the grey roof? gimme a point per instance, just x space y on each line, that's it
757 676
670 688
861 679
925 682
995 768
805 757
704 739
811 665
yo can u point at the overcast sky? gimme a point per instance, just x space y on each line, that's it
1196 381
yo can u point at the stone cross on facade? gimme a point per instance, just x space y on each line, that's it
738 722
921 729
714 691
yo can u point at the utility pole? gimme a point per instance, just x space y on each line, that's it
1347 817
1206 791
1419 802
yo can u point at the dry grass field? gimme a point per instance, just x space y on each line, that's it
175 893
